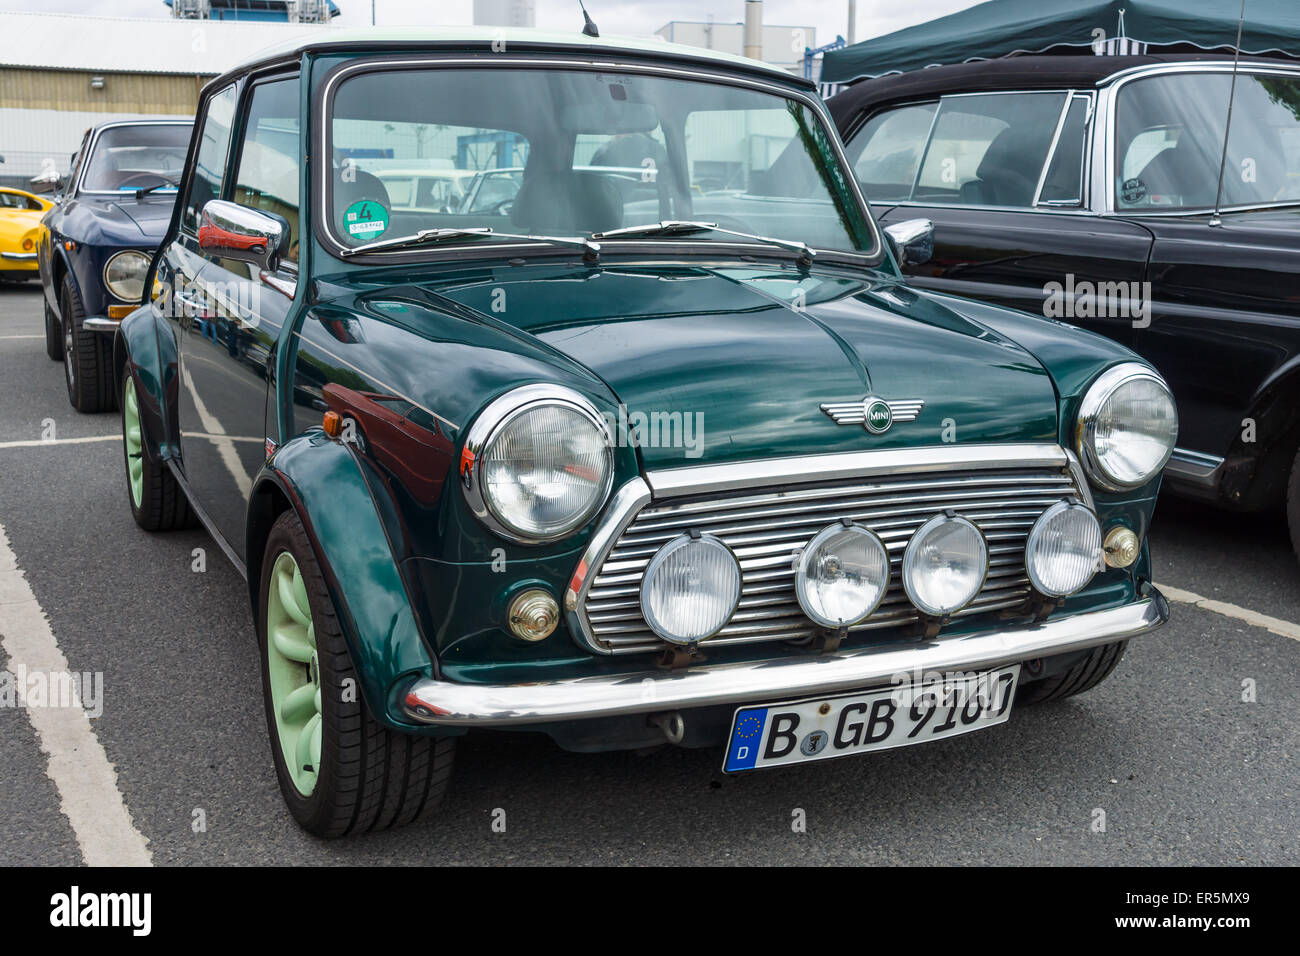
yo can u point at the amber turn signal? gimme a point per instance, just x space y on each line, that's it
1121 547
119 312
333 424
533 615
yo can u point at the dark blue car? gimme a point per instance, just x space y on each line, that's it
111 212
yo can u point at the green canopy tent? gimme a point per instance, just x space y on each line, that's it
1001 28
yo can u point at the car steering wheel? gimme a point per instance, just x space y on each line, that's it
127 181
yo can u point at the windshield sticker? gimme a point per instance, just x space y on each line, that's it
1133 191
366 219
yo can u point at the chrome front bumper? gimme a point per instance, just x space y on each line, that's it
444 704
18 256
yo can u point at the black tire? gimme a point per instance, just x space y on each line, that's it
1293 504
370 778
163 505
1083 676
87 357
53 334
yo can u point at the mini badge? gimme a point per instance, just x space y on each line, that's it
366 219
874 413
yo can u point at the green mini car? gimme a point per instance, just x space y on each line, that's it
685 464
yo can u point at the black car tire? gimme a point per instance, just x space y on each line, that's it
163 505
87 357
53 334
1293 504
1095 667
370 778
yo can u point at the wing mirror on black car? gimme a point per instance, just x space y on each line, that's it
911 241
231 231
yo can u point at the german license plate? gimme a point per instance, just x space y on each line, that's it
819 728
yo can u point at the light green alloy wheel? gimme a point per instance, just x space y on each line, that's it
134 443
294 671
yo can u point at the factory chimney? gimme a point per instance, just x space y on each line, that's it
754 29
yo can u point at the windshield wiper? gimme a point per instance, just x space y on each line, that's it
681 227
591 249
141 193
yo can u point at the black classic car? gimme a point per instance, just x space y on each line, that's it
1087 188
110 213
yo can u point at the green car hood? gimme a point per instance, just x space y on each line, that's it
736 363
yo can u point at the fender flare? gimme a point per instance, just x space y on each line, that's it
137 342
59 267
322 481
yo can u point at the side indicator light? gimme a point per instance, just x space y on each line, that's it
333 424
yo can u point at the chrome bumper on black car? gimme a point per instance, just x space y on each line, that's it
445 704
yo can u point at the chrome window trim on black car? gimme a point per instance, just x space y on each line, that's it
1105 176
322 111
1082 208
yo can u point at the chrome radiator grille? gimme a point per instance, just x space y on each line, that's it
765 528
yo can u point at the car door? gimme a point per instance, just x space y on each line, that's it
1225 313
228 369
219 416
1003 177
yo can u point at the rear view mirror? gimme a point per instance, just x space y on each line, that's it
911 241
231 231
608 116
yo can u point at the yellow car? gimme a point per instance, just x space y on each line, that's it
20 225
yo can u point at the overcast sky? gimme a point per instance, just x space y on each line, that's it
629 17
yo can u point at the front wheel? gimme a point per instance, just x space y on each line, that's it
1095 667
87 357
157 501
339 769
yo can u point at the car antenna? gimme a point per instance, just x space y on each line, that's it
1227 126
588 26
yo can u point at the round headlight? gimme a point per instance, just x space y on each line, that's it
691 589
538 463
1064 549
124 275
1127 427
843 573
945 564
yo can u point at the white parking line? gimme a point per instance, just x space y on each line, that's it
4 337
86 781
38 442
1274 624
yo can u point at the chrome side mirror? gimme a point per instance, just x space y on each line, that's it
231 231
911 241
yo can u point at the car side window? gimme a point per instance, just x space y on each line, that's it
1063 184
886 152
268 171
989 149
210 166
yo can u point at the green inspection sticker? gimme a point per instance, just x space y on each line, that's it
366 219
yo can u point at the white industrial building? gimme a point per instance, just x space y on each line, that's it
783 46
60 74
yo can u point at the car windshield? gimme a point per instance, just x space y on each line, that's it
573 153
1170 141
127 158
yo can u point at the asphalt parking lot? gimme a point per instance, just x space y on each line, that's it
1185 770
